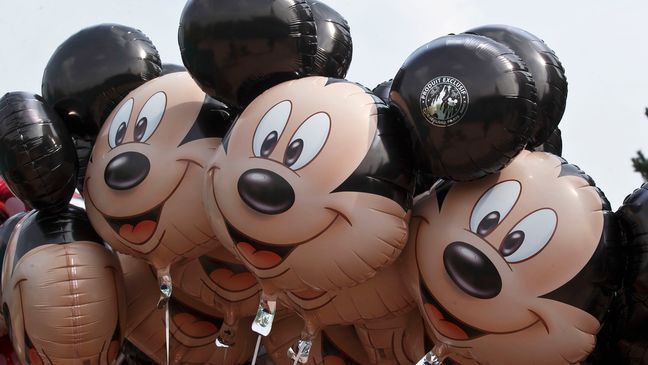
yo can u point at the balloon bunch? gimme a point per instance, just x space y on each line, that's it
258 195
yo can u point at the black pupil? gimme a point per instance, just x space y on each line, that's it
121 133
293 152
512 243
488 224
269 144
140 128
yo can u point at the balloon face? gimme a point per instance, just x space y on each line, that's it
469 102
62 290
284 158
218 279
143 182
192 332
528 247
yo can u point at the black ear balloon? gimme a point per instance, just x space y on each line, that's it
334 44
236 49
470 104
548 74
93 70
168 68
37 156
553 144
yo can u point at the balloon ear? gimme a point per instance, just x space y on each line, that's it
235 50
37 156
169 68
89 74
553 144
470 104
334 44
546 69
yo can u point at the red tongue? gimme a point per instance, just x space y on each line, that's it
446 328
233 282
139 234
259 259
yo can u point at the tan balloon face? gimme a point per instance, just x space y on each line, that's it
143 180
302 140
489 250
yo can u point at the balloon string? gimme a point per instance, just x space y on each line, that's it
166 325
256 350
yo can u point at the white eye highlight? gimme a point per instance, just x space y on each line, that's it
270 129
307 141
149 117
494 206
529 236
118 125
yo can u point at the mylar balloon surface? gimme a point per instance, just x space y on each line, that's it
546 69
470 103
143 182
37 156
62 290
111 60
485 246
236 49
282 164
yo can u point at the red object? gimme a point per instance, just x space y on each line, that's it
7 355
9 204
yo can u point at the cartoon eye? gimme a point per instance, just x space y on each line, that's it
493 207
270 129
529 236
149 117
118 126
307 142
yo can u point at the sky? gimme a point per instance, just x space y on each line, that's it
602 45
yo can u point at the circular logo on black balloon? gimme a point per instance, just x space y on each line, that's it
444 101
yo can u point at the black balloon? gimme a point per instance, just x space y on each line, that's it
548 74
553 144
168 68
236 49
37 156
382 90
89 74
470 104
334 44
629 342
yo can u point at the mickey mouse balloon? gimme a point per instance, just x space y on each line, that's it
143 181
470 103
517 267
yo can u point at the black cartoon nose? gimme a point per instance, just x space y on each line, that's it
127 170
265 191
471 270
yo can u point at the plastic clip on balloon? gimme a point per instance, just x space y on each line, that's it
470 103
484 247
547 71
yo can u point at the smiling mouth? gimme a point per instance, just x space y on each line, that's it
444 322
226 275
136 229
260 255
